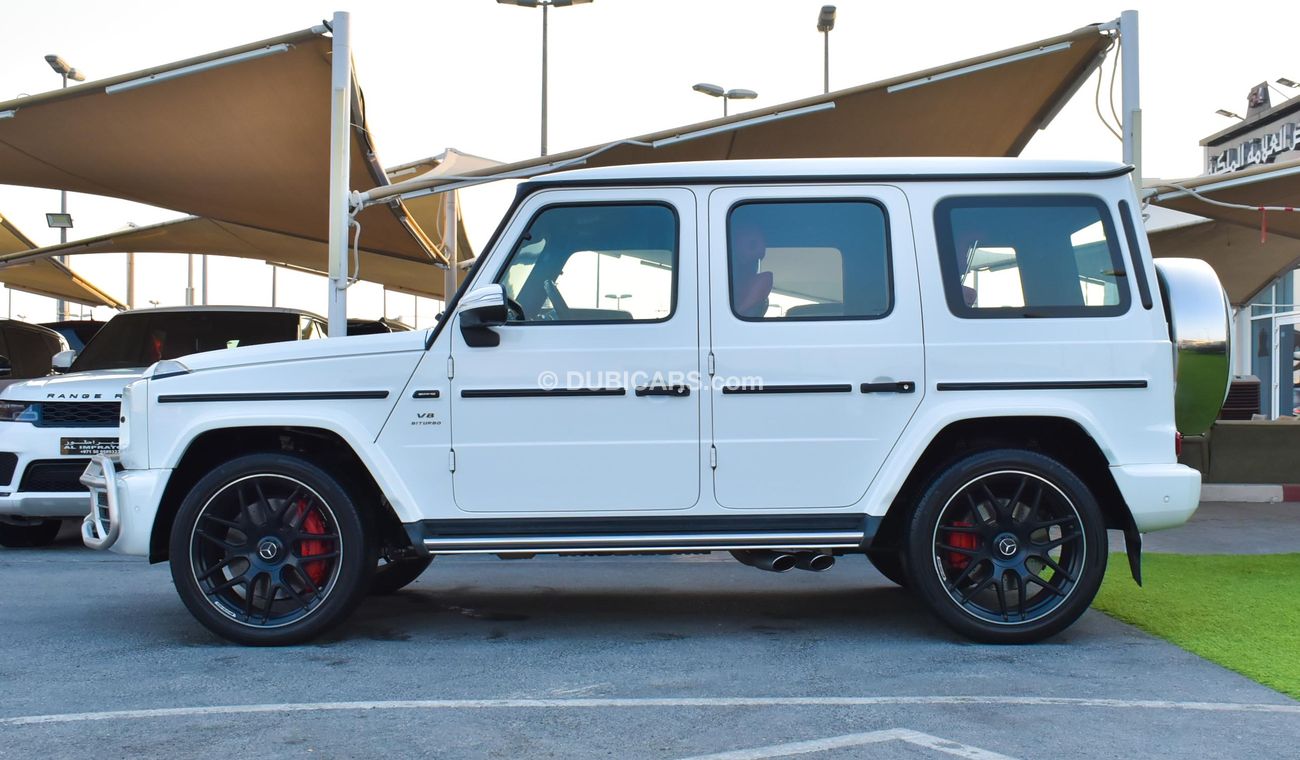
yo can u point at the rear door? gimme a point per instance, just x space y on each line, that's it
815 331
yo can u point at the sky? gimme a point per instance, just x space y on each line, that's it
466 74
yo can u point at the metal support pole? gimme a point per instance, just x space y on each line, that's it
61 307
204 299
130 280
1132 105
189 280
826 62
340 163
546 9
450 235
274 270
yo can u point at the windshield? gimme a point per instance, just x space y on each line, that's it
139 339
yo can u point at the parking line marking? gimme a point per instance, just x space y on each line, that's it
858 740
1292 708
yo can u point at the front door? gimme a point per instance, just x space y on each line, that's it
815 331
586 403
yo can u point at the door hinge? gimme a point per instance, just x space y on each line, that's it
712 368
451 460
713 457
451 367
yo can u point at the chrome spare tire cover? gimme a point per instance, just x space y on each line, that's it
1200 327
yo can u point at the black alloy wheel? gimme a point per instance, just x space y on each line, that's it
1007 546
270 549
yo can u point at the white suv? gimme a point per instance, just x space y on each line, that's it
962 368
51 426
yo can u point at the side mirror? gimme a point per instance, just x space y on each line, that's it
480 310
62 361
6 369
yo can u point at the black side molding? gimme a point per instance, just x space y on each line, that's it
826 388
1050 385
678 391
540 392
192 398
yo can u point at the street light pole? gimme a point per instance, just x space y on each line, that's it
715 91
825 23
545 5
66 72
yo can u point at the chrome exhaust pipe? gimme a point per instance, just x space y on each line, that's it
764 559
814 562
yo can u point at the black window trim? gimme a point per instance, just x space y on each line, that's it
889 256
676 265
1135 254
945 247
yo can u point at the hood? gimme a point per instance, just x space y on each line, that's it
304 350
96 385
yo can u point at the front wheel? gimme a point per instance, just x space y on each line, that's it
27 536
1007 546
269 549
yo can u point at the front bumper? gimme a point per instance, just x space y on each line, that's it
28 493
123 504
1158 495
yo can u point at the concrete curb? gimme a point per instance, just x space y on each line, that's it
1250 492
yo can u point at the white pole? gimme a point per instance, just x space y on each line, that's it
189 282
449 237
1132 106
130 281
340 163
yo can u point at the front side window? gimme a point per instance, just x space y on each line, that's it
594 263
1030 256
791 260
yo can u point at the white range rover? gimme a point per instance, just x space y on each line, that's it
963 369
51 426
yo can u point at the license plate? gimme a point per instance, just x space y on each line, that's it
87 446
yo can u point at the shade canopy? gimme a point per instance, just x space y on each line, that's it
46 277
240 136
986 106
1247 248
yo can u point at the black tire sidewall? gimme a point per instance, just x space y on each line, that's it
925 579
357 563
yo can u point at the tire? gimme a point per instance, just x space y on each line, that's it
29 536
889 562
391 577
270 549
1007 546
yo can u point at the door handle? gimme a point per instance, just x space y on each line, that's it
902 386
677 391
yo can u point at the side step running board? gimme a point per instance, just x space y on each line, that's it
644 542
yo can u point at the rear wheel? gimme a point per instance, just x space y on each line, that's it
1007 546
26 536
269 549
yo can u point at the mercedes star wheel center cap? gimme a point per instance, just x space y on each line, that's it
269 549
1007 546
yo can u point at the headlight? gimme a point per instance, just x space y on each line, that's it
19 411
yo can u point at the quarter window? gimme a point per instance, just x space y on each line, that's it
1030 256
594 263
801 260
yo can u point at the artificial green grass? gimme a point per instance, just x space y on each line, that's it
1240 611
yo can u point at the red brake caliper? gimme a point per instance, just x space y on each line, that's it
961 540
313 523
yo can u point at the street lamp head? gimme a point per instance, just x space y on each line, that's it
76 75
564 3
709 89
1287 82
1229 114
741 94
524 3
59 65
826 19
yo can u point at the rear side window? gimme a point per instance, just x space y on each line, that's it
1030 256
808 260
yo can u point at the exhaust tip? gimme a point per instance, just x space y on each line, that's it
814 561
782 562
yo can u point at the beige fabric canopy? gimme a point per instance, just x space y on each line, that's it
207 236
240 136
46 277
986 106
1233 242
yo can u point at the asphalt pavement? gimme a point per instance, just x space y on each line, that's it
599 657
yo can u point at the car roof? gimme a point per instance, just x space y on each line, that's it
222 309
897 169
